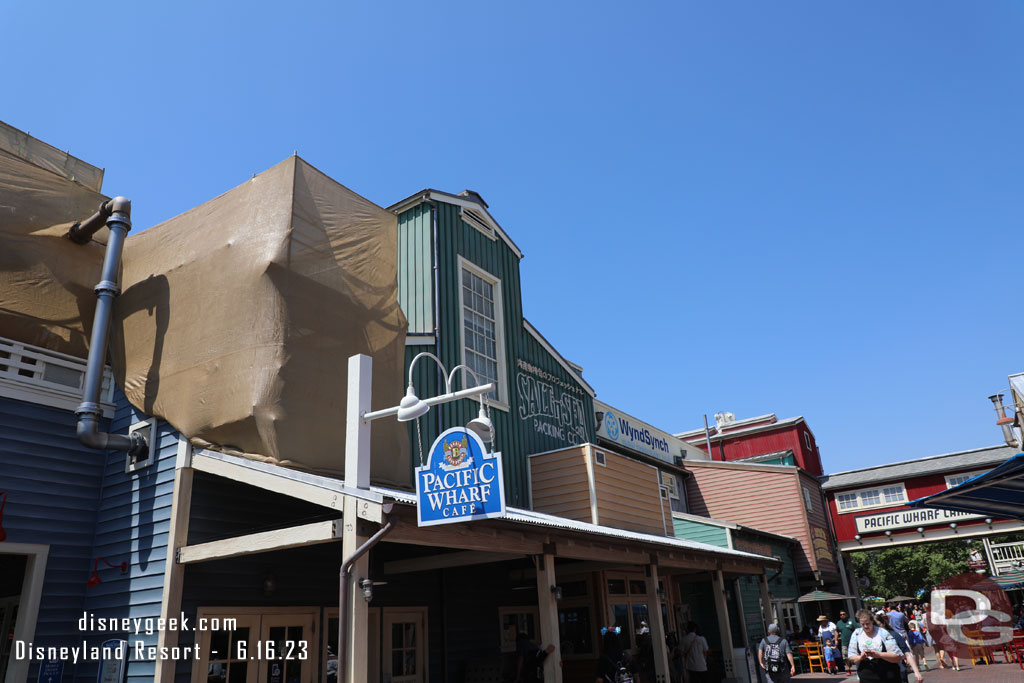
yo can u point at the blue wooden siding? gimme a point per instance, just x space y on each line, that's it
52 484
132 525
699 531
522 429
415 269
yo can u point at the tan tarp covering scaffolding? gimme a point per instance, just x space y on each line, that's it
46 281
237 319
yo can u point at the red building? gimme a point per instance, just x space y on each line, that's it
868 506
765 439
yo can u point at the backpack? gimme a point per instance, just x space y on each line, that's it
774 659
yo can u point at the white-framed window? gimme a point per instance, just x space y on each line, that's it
807 441
893 494
483 333
846 501
599 458
957 479
876 497
807 498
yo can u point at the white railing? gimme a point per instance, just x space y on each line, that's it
37 375
1007 556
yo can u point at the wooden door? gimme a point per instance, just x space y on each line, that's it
288 643
405 646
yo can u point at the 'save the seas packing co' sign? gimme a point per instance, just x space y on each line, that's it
460 481
905 519
551 406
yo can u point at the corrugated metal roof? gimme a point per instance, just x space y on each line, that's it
512 514
541 519
978 457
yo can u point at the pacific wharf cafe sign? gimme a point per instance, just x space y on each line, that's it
908 519
460 481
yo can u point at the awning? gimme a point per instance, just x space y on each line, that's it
998 492
1011 578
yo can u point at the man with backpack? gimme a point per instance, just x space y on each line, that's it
772 654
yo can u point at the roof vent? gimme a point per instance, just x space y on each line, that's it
724 419
474 196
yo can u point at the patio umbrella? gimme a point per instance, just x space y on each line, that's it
817 596
822 596
900 598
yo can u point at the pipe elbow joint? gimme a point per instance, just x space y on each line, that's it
89 433
120 205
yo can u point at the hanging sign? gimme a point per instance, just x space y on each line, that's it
460 481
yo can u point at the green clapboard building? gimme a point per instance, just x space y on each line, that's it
744 595
459 287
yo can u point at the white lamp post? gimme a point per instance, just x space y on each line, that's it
352 614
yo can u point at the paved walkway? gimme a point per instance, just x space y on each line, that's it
995 673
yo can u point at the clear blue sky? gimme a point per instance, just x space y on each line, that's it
803 208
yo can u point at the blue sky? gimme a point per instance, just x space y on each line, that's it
802 208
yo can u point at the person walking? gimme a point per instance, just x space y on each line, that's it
898 621
916 640
845 626
909 661
695 650
874 651
775 656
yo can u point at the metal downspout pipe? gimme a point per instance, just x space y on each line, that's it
116 214
344 597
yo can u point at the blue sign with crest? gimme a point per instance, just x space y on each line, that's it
460 481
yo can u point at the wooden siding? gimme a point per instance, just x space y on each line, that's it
518 431
52 484
560 484
628 495
415 269
701 532
132 525
766 499
819 523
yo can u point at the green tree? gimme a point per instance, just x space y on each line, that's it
906 570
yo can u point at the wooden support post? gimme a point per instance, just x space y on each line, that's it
357 475
724 627
656 625
549 616
766 601
174 573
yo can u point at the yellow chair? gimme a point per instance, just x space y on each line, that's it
815 657
976 647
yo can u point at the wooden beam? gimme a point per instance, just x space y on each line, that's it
460 559
608 553
333 498
174 574
474 536
265 541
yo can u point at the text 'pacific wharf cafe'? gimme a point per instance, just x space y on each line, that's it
252 451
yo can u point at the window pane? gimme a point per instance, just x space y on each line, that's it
616 586
574 630
870 497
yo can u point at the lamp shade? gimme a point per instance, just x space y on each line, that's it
481 426
411 406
